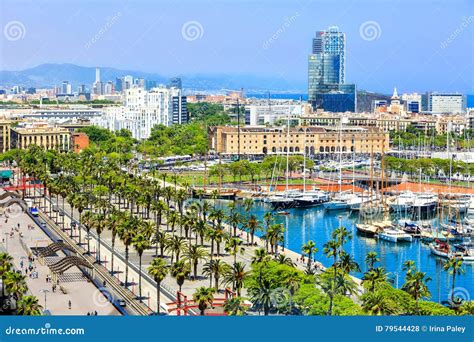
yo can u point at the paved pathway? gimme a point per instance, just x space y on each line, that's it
83 295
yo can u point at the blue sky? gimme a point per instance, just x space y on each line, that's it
418 46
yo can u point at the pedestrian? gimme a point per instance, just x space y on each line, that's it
69 304
95 312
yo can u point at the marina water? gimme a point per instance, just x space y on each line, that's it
317 224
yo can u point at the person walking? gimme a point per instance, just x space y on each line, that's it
69 304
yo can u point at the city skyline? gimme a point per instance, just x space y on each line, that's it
187 39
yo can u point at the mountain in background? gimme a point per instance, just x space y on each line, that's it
49 75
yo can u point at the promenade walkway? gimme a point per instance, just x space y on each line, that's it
82 294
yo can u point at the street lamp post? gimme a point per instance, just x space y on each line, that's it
6 241
45 294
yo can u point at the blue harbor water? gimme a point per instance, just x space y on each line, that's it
317 225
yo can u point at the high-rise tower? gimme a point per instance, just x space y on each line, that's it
326 73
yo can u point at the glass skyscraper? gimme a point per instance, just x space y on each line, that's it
326 73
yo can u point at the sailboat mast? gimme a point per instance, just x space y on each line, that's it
340 157
287 151
304 162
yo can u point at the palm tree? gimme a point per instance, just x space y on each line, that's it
375 303
158 207
6 264
80 202
236 276
29 306
88 219
127 232
141 243
158 270
99 225
262 295
347 263
282 259
215 268
268 218
15 284
194 254
370 259
199 229
253 225
331 249
235 306
234 246
162 240
415 285
113 222
204 296
180 270
176 244
234 220
373 278
260 255
309 249
454 267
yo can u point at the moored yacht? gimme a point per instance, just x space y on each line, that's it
284 199
395 235
312 198
339 202
402 202
425 201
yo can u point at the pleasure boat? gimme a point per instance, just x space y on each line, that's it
425 201
395 235
409 227
367 229
402 202
339 202
312 198
358 201
284 199
443 250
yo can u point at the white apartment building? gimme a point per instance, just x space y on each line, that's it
143 110
262 114
446 103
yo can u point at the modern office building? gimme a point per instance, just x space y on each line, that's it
326 73
66 88
97 87
179 107
175 82
413 103
149 84
118 84
442 103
